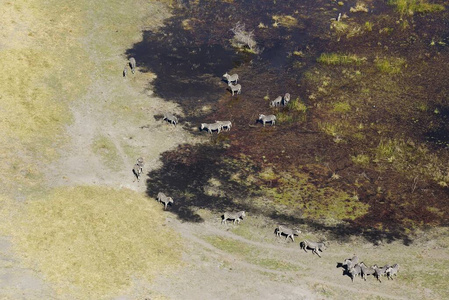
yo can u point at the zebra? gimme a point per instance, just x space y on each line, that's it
351 262
276 102
171 118
287 231
231 78
225 124
269 118
379 272
393 270
161 197
138 169
366 271
211 127
314 246
132 64
236 216
125 71
286 98
235 88
356 270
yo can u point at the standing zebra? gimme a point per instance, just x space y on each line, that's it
235 88
125 71
138 169
132 64
161 197
236 216
231 78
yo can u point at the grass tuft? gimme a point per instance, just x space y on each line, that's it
340 59
390 65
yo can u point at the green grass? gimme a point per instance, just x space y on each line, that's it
329 128
390 65
90 242
368 26
410 7
361 159
297 106
401 155
340 59
284 118
297 192
341 107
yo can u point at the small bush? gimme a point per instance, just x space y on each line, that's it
243 38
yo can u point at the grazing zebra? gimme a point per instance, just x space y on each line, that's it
270 118
132 64
276 102
235 88
231 78
314 246
211 127
286 98
161 197
171 118
236 216
138 169
225 124
379 272
366 271
287 231
125 71
393 270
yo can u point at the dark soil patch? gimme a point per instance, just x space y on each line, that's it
409 105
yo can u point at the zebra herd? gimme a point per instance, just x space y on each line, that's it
353 268
236 88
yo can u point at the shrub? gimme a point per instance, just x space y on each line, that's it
243 38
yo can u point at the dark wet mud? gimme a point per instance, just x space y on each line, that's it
319 139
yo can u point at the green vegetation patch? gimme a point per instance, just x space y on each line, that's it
412 160
342 107
415 6
285 20
92 241
295 190
340 59
392 65
297 105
